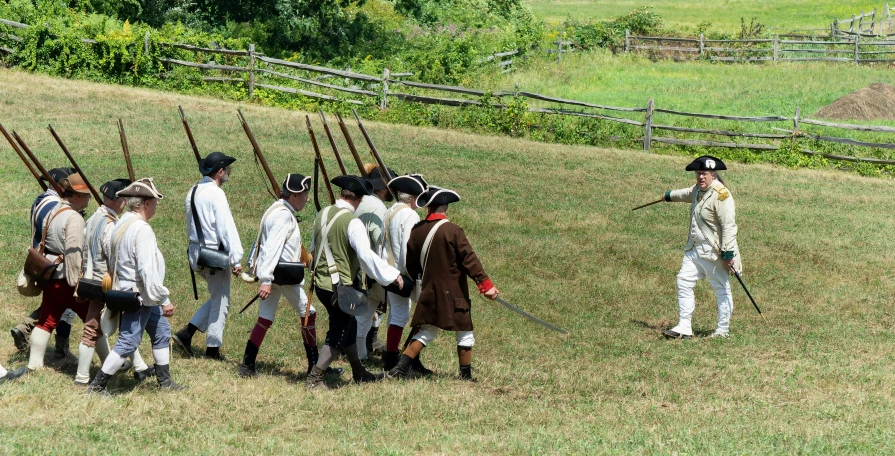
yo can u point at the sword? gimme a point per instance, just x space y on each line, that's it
250 303
529 316
737 274
648 204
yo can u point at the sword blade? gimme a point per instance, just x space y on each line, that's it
530 316
250 303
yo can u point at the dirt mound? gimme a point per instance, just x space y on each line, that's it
874 102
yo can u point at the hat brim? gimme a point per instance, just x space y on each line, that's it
227 161
412 184
304 186
376 180
435 197
354 184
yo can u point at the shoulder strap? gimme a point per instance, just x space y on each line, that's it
424 255
257 245
113 266
199 234
332 267
43 240
388 238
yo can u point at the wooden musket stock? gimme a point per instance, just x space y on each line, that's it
21 155
383 171
332 142
74 164
329 188
189 135
126 150
40 167
357 160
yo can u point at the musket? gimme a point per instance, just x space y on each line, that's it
189 135
259 155
126 150
360 163
43 171
332 142
22 156
329 188
74 164
648 204
383 171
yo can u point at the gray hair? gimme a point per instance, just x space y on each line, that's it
135 203
285 194
406 198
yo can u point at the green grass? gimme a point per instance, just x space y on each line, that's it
553 227
780 15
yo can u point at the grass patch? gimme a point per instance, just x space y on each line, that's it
553 227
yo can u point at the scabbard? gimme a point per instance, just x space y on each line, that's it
193 275
250 303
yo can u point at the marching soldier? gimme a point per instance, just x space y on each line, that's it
371 212
44 204
63 238
278 244
139 266
342 250
210 224
96 257
441 256
712 250
399 221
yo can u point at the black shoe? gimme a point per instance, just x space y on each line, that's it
247 371
366 376
12 375
334 371
401 369
62 349
389 360
98 385
184 341
419 369
139 376
20 339
215 354
669 334
163 375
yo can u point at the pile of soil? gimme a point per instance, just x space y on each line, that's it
869 103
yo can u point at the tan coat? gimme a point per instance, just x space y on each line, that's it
66 236
715 215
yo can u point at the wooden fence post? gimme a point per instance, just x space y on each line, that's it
251 70
873 21
888 18
559 48
146 43
776 46
851 26
795 127
627 40
857 56
648 126
383 104
702 44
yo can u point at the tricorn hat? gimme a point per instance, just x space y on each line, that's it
213 162
354 184
141 188
412 184
375 178
58 174
706 163
74 183
109 189
435 196
297 183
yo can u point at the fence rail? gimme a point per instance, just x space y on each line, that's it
257 71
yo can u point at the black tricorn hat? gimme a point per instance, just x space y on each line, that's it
109 189
59 173
435 196
355 184
297 183
706 163
213 162
412 184
375 178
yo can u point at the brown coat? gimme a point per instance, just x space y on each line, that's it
444 296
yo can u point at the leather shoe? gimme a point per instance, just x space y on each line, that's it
669 334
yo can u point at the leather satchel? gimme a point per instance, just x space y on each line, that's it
123 301
351 300
37 265
90 289
215 259
286 273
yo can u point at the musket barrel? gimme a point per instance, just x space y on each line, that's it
332 142
189 135
21 155
383 171
43 171
74 164
258 154
126 150
329 188
357 160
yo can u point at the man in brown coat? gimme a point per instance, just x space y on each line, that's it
440 256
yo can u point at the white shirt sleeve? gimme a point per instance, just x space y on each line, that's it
151 267
226 229
411 219
105 247
370 262
275 230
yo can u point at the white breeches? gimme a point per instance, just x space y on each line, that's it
428 333
694 268
293 293
211 317
398 310
364 323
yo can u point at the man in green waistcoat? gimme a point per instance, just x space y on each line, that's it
341 250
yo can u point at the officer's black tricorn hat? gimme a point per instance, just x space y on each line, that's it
213 162
706 163
375 178
412 184
297 183
435 196
355 184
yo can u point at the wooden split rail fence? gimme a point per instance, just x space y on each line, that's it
869 24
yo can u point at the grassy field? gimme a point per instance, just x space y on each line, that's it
553 227
780 15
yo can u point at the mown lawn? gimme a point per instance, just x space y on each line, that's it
553 227
780 15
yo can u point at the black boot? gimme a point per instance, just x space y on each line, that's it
215 354
247 368
418 367
12 375
98 385
20 339
315 379
389 360
184 340
313 354
139 376
163 375
466 373
401 369
62 347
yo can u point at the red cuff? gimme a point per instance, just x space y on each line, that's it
432 217
485 286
